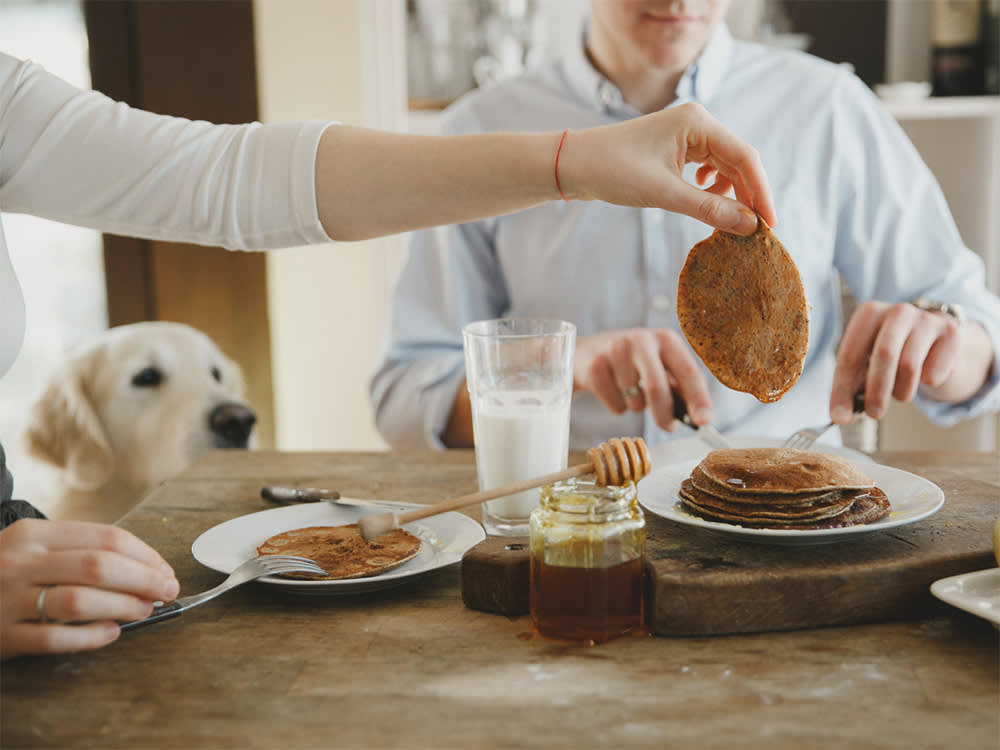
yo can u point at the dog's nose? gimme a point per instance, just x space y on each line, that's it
232 423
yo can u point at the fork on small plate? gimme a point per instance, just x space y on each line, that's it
804 438
252 569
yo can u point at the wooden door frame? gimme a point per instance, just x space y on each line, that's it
194 60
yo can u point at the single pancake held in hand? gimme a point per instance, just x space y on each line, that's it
742 307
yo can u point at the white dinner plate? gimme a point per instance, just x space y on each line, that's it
694 449
977 593
912 498
445 538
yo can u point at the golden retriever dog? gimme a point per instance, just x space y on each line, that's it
130 411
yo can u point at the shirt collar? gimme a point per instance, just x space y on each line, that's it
699 83
709 69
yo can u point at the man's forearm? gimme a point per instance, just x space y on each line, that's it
458 432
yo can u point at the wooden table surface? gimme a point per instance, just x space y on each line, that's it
411 667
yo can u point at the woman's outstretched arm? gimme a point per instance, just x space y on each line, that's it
372 183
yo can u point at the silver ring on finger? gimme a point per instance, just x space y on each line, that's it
40 602
632 390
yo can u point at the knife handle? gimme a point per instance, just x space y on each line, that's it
681 411
159 614
292 495
706 432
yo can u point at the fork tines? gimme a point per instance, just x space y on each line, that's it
288 563
802 439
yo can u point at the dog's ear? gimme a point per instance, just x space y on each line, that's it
64 429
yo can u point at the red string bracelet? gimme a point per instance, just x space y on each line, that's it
559 151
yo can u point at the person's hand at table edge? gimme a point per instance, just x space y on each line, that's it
65 585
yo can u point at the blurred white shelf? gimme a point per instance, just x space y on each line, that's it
945 108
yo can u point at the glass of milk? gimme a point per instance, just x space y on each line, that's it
519 373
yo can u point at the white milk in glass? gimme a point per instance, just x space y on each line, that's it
519 435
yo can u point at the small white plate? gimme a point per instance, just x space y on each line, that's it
912 498
445 538
977 593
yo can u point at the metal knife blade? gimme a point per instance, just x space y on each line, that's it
706 432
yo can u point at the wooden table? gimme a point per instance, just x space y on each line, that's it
411 667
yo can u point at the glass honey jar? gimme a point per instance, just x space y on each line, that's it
588 550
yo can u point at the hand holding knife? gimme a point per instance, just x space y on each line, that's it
706 432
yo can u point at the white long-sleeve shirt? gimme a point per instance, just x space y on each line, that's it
78 157
854 200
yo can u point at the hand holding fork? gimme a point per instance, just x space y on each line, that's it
252 569
804 438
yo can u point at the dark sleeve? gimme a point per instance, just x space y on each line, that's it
12 510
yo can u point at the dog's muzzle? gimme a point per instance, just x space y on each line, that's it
232 423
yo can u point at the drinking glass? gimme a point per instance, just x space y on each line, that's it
520 378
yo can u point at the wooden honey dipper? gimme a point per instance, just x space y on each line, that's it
616 462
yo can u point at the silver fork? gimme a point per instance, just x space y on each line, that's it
804 438
252 569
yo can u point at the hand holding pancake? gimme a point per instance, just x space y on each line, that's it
675 136
639 368
894 349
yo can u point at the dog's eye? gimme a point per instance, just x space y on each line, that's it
148 378
217 374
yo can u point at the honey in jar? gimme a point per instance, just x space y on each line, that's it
588 547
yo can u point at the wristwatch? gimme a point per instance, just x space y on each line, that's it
948 308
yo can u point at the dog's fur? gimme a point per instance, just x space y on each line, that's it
130 411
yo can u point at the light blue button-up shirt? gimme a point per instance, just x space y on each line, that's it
853 199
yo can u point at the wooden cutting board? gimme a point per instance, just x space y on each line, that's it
702 583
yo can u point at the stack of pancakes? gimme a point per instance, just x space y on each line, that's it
780 488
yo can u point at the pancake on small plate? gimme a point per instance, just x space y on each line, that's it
341 552
780 488
742 307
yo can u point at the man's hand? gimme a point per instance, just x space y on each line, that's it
640 368
891 350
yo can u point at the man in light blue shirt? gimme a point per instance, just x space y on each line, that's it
853 198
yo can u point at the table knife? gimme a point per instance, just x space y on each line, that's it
706 432
293 495
281 495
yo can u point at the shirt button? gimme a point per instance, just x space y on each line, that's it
660 302
609 95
